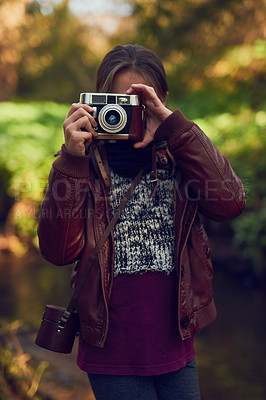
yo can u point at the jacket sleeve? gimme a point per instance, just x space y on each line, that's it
61 222
209 177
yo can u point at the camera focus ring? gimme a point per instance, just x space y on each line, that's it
112 118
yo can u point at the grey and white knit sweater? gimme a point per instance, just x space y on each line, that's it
144 234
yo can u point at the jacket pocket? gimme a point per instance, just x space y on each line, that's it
92 333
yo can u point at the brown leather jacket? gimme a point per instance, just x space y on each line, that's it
76 211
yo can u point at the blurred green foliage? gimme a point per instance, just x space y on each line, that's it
18 379
56 61
216 47
226 93
30 134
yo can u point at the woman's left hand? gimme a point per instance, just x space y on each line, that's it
156 112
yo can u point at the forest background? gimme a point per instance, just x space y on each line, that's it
214 55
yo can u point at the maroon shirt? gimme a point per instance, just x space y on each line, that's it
143 332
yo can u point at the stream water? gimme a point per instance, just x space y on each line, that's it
230 352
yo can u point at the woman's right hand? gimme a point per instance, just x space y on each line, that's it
79 128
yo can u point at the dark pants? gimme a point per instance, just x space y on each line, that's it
178 385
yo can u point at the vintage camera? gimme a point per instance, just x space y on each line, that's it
119 116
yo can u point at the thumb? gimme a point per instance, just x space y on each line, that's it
148 138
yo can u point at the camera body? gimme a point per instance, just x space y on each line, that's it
119 116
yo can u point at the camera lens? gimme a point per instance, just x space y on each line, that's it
112 118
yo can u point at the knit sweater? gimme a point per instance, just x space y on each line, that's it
144 233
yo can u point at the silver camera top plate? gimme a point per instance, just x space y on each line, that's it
110 98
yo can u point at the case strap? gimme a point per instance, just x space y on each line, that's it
99 165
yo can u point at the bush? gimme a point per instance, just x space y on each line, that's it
30 134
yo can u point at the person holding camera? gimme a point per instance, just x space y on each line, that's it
149 290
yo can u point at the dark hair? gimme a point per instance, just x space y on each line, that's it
132 57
